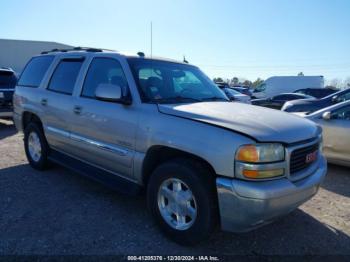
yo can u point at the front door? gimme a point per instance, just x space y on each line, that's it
104 132
336 135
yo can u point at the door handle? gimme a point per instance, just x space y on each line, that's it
77 110
43 101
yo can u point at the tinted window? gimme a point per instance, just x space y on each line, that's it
65 76
34 71
103 71
342 113
343 97
283 97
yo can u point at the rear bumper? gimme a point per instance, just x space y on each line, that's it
18 121
245 205
6 111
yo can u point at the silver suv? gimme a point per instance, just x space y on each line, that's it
136 123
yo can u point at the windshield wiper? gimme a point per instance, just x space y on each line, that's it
215 98
176 99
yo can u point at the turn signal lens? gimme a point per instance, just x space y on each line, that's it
248 154
256 174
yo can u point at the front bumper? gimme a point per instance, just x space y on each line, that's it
245 205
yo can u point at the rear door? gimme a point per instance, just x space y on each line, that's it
57 102
103 133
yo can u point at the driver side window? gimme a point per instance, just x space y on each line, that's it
103 71
185 82
343 97
342 113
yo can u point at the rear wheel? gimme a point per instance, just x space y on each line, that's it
35 146
181 197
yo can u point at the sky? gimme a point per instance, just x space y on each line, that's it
225 38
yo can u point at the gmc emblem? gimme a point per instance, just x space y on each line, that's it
311 157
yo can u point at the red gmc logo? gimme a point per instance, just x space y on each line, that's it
311 157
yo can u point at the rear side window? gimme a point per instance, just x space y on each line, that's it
65 76
34 71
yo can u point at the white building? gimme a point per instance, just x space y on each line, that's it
16 53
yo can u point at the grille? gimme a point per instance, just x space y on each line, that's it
298 158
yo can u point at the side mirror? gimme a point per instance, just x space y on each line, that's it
335 99
326 116
110 93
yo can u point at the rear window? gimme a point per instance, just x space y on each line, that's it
34 71
7 79
65 76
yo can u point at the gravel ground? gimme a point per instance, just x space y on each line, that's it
59 212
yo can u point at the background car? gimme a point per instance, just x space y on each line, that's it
276 102
335 122
311 105
8 81
317 92
242 89
232 94
276 85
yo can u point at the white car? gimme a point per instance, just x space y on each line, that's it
335 122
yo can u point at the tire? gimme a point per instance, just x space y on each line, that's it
38 161
196 177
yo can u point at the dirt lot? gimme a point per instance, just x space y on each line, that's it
59 212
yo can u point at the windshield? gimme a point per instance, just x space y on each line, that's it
167 82
260 88
231 91
341 94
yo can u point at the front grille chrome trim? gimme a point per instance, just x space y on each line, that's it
306 171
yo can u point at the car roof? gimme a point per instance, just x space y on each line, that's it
90 50
6 69
294 94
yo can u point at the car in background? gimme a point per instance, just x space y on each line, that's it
317 92
232 94
286 84
311 105
243 89
8 80
276 102
335 122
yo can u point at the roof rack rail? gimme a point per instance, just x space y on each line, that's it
78 48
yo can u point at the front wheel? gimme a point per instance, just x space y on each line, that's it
181 197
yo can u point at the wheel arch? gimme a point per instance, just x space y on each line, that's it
158 154
28 117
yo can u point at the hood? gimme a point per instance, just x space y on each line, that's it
307 101
262 124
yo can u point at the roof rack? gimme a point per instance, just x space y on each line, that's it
79 48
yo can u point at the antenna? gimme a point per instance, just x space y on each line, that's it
151 39
185 61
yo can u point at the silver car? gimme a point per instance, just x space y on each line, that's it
335 122
162 127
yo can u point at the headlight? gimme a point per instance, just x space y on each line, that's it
260 161
260 153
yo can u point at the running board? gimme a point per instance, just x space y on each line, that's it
106 178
